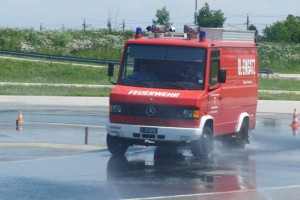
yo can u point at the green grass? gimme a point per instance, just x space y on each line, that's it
57 73
104 44
280 57
285 84
282 96
40 72
66 73
99 44
53 91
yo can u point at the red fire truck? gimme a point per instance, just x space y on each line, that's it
184 89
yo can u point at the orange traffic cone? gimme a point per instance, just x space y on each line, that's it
20 119
295 123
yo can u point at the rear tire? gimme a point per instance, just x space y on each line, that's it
239 140
242 136
204 146
115 145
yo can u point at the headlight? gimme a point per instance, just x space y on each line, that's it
191 114
116 108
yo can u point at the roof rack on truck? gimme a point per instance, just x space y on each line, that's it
203 33
229 35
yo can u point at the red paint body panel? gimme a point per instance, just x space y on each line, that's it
122 94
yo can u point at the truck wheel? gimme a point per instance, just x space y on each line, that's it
239 140
115 145
203 146
242 136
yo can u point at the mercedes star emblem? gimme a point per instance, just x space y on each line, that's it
150 111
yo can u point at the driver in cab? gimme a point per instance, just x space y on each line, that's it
142 73
191 75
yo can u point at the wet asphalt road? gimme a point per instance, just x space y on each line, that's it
46 158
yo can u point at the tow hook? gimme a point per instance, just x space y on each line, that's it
149 141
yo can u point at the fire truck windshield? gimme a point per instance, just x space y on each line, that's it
162 66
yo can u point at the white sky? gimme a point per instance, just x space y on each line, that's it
52 14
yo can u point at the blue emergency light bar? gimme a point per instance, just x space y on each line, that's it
138 33
202 36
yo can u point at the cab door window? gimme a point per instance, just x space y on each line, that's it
214 67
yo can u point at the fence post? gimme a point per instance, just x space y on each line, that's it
86 135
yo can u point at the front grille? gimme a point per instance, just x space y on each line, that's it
161 111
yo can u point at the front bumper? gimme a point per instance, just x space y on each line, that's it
164 134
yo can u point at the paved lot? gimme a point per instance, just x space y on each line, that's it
48 159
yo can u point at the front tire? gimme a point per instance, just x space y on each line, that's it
204 146
115 145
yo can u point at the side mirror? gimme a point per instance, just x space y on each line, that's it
110 69
222 75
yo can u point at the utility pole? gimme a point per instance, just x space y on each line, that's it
195 15
248 22
123 25
84 24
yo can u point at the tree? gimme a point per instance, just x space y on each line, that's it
210 18
253 28
284 31
163 17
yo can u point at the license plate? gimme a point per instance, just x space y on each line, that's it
148 130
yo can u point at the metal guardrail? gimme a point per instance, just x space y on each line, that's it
62 58
266 71
83 60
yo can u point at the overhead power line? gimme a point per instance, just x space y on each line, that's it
77 23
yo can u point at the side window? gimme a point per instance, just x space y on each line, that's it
214 67
128 64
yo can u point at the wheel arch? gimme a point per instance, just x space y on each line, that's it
243 116
207 120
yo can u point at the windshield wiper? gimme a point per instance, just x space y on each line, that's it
183 85
173 85
134 82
